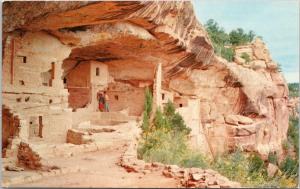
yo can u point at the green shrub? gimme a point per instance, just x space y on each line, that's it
166 141
234 166
148 101
160 122
193 159
256 164
286 145
147 110
251 171
293 89
246 57
169 109
162 146
227 53
293 133
290 167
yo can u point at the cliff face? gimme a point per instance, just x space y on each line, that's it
255 90
240 104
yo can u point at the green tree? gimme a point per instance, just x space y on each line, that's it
147 110
216 33
239 37
175 119
220 39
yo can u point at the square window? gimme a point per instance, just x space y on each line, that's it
22 82
24 59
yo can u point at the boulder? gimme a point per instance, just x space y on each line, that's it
13 168
231 119
78 137
272 170
272 66
197 176
260 51
191 183
173 168
167 173
238 119
244 120
239 60
157 165
258 64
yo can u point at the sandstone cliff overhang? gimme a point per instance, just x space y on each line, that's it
168 29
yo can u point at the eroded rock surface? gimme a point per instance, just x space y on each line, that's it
235 93
71 50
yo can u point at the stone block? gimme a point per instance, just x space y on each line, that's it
272 170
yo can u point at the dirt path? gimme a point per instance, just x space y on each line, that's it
100 169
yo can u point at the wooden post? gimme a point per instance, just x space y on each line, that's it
52 70
41 126
12 61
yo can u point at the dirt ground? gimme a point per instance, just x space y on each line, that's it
100 169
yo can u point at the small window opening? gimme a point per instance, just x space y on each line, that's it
265 132
19 99
24 59
50 101
180 105
27 99
30 122
97 71
116 97
22 82
163 96
65 80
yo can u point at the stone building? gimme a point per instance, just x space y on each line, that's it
57 59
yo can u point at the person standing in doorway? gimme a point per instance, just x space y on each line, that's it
106 99
101 101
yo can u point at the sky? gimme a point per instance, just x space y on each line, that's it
277 21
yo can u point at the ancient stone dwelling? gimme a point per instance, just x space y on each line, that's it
58 55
